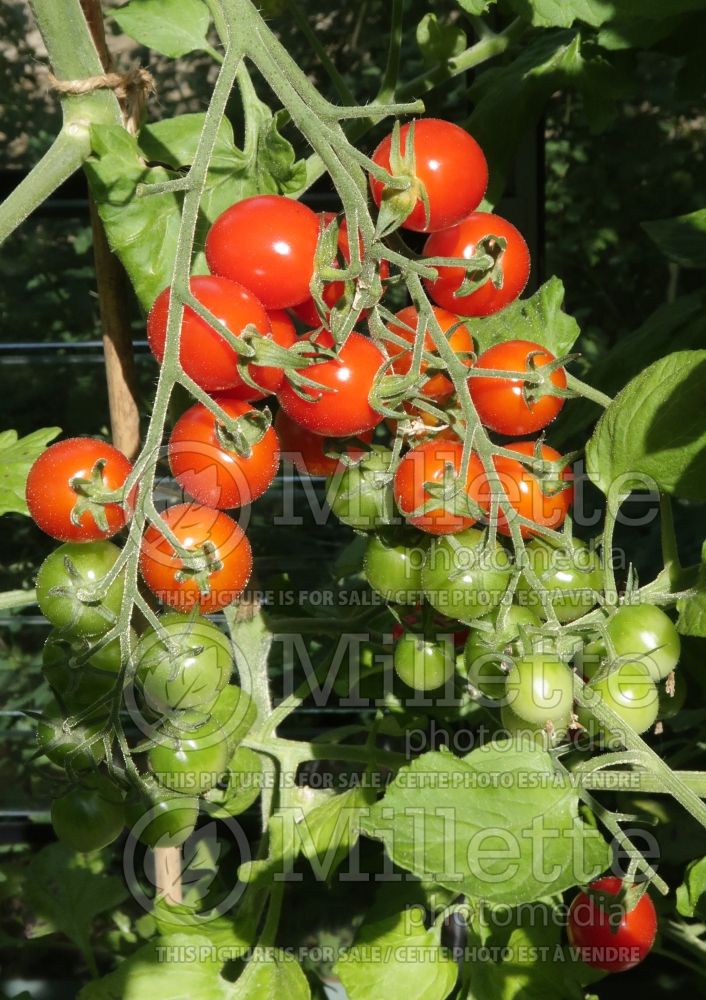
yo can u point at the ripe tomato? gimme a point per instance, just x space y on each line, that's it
204 354
215 469
617 945
450 165
502 403
307 451
70 588
222 559
334 291
526 492
89 816
427 463
463 241
341 409
270 378
438 386
423 665
64 488
188 668
267 243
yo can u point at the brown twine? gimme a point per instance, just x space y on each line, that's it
131 89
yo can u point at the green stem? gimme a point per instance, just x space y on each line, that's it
641 781
587 391
668 537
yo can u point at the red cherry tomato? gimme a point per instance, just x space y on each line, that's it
218 544
284 335
267 243
208 465
334 290
341 409
451 166
502 404
204 354
66 475
462 241
524 490
438 386
427 463
305 450
604 945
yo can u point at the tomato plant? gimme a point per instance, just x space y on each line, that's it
421 663
615 937
74 589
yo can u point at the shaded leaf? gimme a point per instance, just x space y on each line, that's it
172 27
682 239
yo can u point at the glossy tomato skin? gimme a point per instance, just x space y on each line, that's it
486 653
51 498
89 563
360 495
500 402
570 577
267 243
207 465
463 578
188 763
89 816
451 166
540 689
282 333
194 525
426 463
630 692
613 947
205 356
421 664
644 632
524 490
438 385
307 451
344 410
462 241
394 569
160 817
334 291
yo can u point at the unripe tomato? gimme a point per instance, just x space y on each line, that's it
222 559
431 462
540 689
570 579
64 489
630 692
62 747
205 356
217 469
644 632
479 230
421 664
361 495
543 737
159 817
438 386
71 590
449 165
233 713
267 243
189 763
486 653
508 405
341 407
617 944
463 577
89 816
245 781
394 569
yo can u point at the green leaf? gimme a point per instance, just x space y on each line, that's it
397 957
654 431
271 976
682 239
142 231
330 830
475 6
563 13
16 458
691 894
692 610
501 824
172 27
539 318
439 41
515 94
66 891
176 967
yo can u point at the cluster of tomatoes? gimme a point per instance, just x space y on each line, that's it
436 511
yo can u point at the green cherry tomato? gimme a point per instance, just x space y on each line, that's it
89 816
571 578
463 578
630 692
191 763
423 665
81 678
484 651
62 747
540 689
70 588
234 713
520 730
188 668
244 781
672 704
645 632
394 569
159 817
361 495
